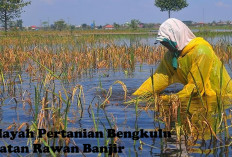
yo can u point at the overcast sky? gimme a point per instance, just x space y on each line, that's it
104 12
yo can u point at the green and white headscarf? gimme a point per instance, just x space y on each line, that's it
177 34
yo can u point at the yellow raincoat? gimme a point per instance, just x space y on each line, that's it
197 65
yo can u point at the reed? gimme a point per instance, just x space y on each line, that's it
54 60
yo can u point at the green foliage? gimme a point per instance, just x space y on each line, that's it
10 9
134 24
116 26
45 25
84 26
19 23
60 25
171 5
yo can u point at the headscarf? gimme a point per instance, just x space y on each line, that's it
177 34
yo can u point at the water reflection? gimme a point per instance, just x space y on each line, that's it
150 40
202 127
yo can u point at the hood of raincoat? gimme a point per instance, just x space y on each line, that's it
177 34
175 31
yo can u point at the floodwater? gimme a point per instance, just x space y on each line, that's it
121 116
151 40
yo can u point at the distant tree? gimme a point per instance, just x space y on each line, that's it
10 9
16 24
127 24
228 22
84 25
149 25
72 27
171 5
19 24
116 26
134 24
45 24
52 26
60 25
12 24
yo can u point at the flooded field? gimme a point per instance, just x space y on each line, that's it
85 83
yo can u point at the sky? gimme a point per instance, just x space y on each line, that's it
103 12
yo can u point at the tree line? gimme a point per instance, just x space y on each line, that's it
12 9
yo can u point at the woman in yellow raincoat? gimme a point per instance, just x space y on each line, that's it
190 61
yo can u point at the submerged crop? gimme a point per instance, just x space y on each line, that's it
63 88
